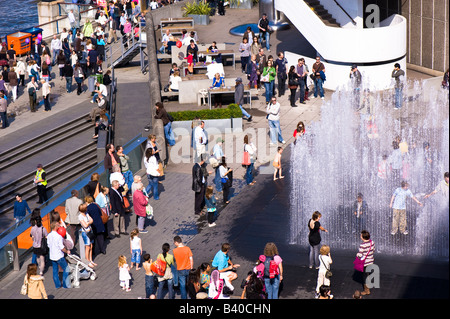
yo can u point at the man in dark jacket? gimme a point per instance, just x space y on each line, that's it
117 209
162 114
239 98
199 184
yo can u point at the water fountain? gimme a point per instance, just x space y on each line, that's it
338 158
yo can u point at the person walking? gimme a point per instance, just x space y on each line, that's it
185 262
244 49
20 208
226 177
239 98
356 83
268 78
40 181
46 89
210 202
264 30
56 253
3 110
273 112
40 247
135 248
365 253
314 239
200 139
398 205
32 87
153 172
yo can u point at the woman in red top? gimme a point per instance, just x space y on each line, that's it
299 131
140 201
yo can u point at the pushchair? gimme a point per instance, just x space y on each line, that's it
79 270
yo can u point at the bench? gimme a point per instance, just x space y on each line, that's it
167 95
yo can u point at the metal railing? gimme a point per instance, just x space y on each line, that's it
348 15
11 255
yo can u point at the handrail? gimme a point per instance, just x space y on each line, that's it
349 16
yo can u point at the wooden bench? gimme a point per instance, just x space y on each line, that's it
167 95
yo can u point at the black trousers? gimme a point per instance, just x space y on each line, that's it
42 193
200 200
292 97
281 83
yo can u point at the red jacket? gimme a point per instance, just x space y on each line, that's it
140 202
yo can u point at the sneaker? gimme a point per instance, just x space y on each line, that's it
316 295
212 225
393 233
322 98
284 142
143 231
405 233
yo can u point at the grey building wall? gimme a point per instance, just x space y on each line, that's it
428 29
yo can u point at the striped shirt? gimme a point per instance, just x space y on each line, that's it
364 251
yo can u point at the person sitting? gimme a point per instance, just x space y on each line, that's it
102 124
218 82
175 79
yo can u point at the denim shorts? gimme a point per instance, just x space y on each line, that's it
136 256
86 239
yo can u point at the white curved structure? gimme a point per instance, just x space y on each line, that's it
375 50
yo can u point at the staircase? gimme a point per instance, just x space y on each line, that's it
322 13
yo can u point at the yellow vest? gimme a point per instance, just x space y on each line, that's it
38 177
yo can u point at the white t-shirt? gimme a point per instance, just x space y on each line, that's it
174 80
55 245
135 243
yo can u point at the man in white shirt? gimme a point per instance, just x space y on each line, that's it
56 253
102 19
46 94
200 139
56 46
273 112
101 90
165 39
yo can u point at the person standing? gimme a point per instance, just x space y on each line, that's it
441 188
72 221
293 83
280 66
239 98
140 202
199 185
399 76
200 139
117 209
68 74
360 209
244 49
13 83
268 78
32 87
56 254
250 148
168 274
111 159
185 262
318 70
398 204
124 166
272 281
356 82
46 95
3 110
35 283
40 181
273 112
264 30
56 46
314 239
217 154
325 262
20 208
153 172
365 253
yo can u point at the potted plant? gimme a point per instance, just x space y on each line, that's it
199 11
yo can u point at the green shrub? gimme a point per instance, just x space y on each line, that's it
232 111
200 8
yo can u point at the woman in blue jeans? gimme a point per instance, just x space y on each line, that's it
152 169
251 149
272 284
315 239
269 85
168 275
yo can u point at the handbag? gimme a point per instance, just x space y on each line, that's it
43 249
246 158
24 288
265 78
358 264
149 211
158 267
328 273
126 203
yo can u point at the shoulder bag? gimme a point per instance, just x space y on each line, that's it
358 264
43 249
328 272
24 288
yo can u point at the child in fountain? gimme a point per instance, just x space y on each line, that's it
398 204
277 164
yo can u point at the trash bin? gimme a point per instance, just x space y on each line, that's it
36 33
21 42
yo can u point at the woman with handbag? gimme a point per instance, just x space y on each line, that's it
39 235
95 212
249 160
268 78
363 258
324 275
226 180
102 200
293 82
140 202
168 274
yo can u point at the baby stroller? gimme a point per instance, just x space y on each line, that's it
79 270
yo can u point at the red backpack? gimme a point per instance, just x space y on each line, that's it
270 268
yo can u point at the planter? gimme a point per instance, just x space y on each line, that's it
212 127
200 19
242 4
